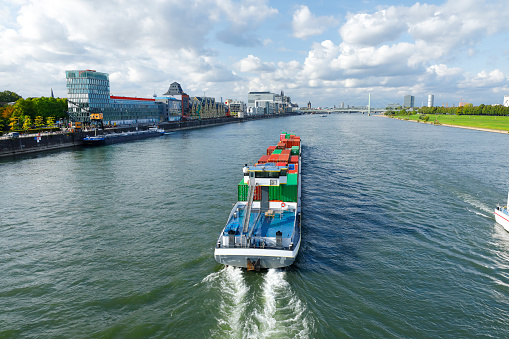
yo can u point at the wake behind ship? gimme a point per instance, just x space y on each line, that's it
263 229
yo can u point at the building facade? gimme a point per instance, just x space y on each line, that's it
431 100
409 101
270 102
175 92
236 108
206 107
506 100
88 91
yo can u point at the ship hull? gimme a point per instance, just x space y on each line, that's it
502 218
109 139
268 258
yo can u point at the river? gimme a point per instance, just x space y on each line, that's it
399 238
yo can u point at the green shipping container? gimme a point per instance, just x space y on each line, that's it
242 190
289 193
277 151
295 150
275 192
291 179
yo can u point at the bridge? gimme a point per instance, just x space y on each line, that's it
362 110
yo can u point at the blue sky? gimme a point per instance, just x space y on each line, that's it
326 52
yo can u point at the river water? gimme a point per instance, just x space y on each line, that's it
399 238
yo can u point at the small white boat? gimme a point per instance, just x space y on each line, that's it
502 215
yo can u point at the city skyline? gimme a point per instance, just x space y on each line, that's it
326 53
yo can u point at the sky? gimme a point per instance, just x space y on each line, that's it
327 52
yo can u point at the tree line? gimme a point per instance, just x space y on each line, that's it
468 109
26 113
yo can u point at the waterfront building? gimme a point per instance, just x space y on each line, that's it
309 104
256 110
272 103
172 108
88 91
253 97
132 111
431 100
236 108
206 107
175 92
409 101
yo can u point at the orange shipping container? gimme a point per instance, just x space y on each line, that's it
270 150
263 159
284 157
273 158
294 159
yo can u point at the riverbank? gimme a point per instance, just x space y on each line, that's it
34 143
494 124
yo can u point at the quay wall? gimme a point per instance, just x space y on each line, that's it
29 144
59 140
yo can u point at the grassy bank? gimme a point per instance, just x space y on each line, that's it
500 123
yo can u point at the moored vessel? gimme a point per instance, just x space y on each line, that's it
502 215
263 228
112 138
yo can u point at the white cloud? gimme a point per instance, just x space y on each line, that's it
305 24
373 29
491 79
243 17
254 64
443 71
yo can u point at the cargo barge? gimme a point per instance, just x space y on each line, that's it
263 229
113 138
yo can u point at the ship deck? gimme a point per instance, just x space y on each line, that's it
265 226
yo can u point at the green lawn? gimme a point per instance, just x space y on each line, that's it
478 121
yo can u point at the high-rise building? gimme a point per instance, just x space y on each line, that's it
431 100
409 101
88 92
506 100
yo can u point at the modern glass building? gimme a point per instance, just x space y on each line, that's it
88 91
409 101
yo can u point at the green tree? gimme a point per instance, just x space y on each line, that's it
39 121
25 107
27 123
14 122
8 96
50 121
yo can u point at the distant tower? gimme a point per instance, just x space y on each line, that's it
52 94
342 104
506 100
408 101
309 104
431 100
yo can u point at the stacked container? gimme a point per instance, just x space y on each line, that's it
285 154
